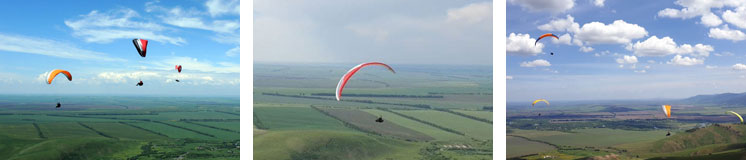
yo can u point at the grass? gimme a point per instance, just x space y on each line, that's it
219 134
471 128
124 131
366 122
296 118
479 114
169 131
329 144
65 130
519 147
602 137
436 133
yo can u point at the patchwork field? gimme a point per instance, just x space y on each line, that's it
471 128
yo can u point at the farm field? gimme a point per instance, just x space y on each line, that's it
471 128
84 131
521 147
295 104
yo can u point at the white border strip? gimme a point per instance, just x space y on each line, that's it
498 80
247 79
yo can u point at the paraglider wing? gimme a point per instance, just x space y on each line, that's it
178 68
736 114
348 75
540 100
667 110
141 45
55 72
545 35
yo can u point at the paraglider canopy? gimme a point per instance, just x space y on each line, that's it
540 100
545 35
55 72
141 45
735 114
348 75
667 110
178 68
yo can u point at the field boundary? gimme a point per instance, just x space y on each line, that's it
38 131
465 115
424 122
147 130
94 130
184 128
209 126
421 106
345 123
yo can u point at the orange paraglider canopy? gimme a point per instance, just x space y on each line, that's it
545 35
55 72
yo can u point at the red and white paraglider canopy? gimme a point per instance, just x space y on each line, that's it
348 75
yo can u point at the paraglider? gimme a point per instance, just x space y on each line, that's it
735 114
667 110
178 68
545 35
139 83
54 74
380 119
348 75
540 100
141 45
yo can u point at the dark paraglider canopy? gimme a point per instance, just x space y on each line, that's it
380 119
141 45
178 80
58 105
551 53
139 83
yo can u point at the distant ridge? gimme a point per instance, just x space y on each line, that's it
724 98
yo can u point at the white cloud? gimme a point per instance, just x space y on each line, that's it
586 49
739 66
223 7
233 52
655 46
536 63
471 14
522 44
192 19
737 17
190 63
710 67
694 8
378 34
685 61
563 25
30 45
564 39
627 60
555 6
118 24
651 61
508 77
618 32
726 33
711 20
599 3
640 71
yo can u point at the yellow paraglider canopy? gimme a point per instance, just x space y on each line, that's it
736 114
540 100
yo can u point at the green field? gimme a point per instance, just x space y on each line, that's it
283 95
102 127
471 128
601 137
479 114
520 147
284 118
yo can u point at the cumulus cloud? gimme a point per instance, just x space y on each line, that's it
726 33
685 61
599 3
739 66
711 20
556 6
737 17
196 65
626 60
522 44
471 14
618 32
536 63
586 49
694 8
562 25
655 46
104 27
39 46
564 39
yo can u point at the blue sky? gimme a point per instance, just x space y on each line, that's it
93 42
389 31
631 49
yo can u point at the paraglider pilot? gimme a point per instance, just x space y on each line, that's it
178 80
139 83
380 119
58 105
669 133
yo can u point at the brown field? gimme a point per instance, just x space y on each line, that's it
366 122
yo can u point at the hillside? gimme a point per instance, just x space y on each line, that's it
722 99
712 140
330 145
